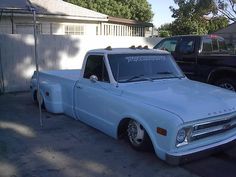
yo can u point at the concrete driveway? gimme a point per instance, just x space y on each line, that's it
66 147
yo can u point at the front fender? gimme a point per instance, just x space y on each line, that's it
151 118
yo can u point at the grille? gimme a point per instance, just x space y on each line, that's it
206 129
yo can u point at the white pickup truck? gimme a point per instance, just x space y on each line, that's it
142 94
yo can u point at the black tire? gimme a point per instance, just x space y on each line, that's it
227 83
138 137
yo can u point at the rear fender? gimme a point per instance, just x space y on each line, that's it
220 73
52 96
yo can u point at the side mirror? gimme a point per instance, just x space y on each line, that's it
93 78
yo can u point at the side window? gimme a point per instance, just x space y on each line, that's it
213 45
95 66
206 45
169 45
187 46
222 45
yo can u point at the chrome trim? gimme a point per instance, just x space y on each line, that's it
199 133
217 125
214 127
210 124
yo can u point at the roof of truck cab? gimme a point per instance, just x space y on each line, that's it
195 35
128 51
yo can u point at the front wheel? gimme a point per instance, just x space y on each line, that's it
227 83
138 137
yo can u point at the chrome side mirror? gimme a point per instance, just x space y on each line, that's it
93 78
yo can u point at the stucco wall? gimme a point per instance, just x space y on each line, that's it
54 52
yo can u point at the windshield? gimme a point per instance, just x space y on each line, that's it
140 67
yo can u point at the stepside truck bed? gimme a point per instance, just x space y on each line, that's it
57 88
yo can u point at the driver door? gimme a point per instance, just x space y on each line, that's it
92 94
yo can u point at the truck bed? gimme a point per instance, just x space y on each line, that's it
72 74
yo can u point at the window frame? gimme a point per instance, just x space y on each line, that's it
74 29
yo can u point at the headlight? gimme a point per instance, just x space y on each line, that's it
181 135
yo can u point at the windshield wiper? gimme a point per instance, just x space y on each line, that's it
167 72
141 76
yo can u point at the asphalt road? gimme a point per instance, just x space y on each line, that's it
66 147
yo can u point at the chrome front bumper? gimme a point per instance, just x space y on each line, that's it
177 159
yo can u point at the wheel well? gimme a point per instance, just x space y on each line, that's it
216 75
122 127
122 132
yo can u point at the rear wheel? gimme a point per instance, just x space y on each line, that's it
227 83
138 137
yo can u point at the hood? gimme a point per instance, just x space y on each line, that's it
190 100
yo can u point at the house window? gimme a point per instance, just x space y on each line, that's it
122 30
28 29
74 29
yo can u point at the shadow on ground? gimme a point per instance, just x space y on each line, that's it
66 147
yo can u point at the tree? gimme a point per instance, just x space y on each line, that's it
193 17
139 10
189 18
227 8
217 23
164 33
165 30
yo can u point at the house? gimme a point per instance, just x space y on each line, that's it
229 33
57 17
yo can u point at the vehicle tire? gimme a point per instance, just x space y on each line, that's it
227 83
138 137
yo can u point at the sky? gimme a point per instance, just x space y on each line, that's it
162 13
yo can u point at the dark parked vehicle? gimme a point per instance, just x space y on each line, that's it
203 58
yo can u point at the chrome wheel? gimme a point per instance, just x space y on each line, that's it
136 133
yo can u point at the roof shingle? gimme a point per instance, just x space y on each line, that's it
59 7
